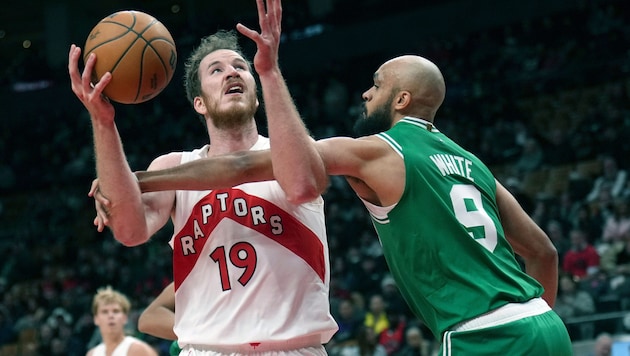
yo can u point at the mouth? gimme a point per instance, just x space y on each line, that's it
235 88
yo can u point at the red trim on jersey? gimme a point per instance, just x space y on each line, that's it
295 236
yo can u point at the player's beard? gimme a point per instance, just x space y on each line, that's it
378 121
235 116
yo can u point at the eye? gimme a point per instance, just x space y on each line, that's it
215 70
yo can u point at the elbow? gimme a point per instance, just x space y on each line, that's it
302 194
143 324
129 227
130 240
548 251
547 254
306 191
551 255
541 252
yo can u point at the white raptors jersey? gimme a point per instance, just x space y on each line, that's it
120 350
249 267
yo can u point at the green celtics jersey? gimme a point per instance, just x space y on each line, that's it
443 241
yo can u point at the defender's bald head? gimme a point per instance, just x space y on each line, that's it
422 79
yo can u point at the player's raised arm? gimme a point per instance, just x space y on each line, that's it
116 181
296 166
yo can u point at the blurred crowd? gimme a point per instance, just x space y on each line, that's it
543 103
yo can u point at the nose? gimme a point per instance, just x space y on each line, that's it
366 96
232 72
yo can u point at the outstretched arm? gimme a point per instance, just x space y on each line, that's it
210 173
361 161
530 242
296 166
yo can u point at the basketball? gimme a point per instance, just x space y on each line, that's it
138 50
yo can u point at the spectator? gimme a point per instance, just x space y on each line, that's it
376 317
599 287
602 204
555 230
618 223
572 302
622 257
368 276
620 274
558 148
367 344
582 259
587 220
415 344
349 320
603 345
392 297
612 177
530 158
393 337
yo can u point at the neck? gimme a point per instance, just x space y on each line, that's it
112 341
231 140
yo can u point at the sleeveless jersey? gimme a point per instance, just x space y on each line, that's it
120 350
443 241
249 266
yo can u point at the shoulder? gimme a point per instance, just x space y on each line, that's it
141 348
166 161
343 153
369 142
96 350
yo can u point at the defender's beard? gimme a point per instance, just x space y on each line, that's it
378 121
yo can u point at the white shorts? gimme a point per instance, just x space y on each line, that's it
307 351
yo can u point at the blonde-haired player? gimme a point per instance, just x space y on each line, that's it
111 309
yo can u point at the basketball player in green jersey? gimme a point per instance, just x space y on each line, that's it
449 230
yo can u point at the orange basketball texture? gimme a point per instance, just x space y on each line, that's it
138 50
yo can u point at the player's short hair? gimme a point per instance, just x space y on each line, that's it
108 295
222 39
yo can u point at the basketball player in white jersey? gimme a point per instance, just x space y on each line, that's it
251 265
110 309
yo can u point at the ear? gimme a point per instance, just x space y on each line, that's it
402 100
200 106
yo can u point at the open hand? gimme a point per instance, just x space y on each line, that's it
268 40
97 104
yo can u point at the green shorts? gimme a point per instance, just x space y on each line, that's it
538 335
